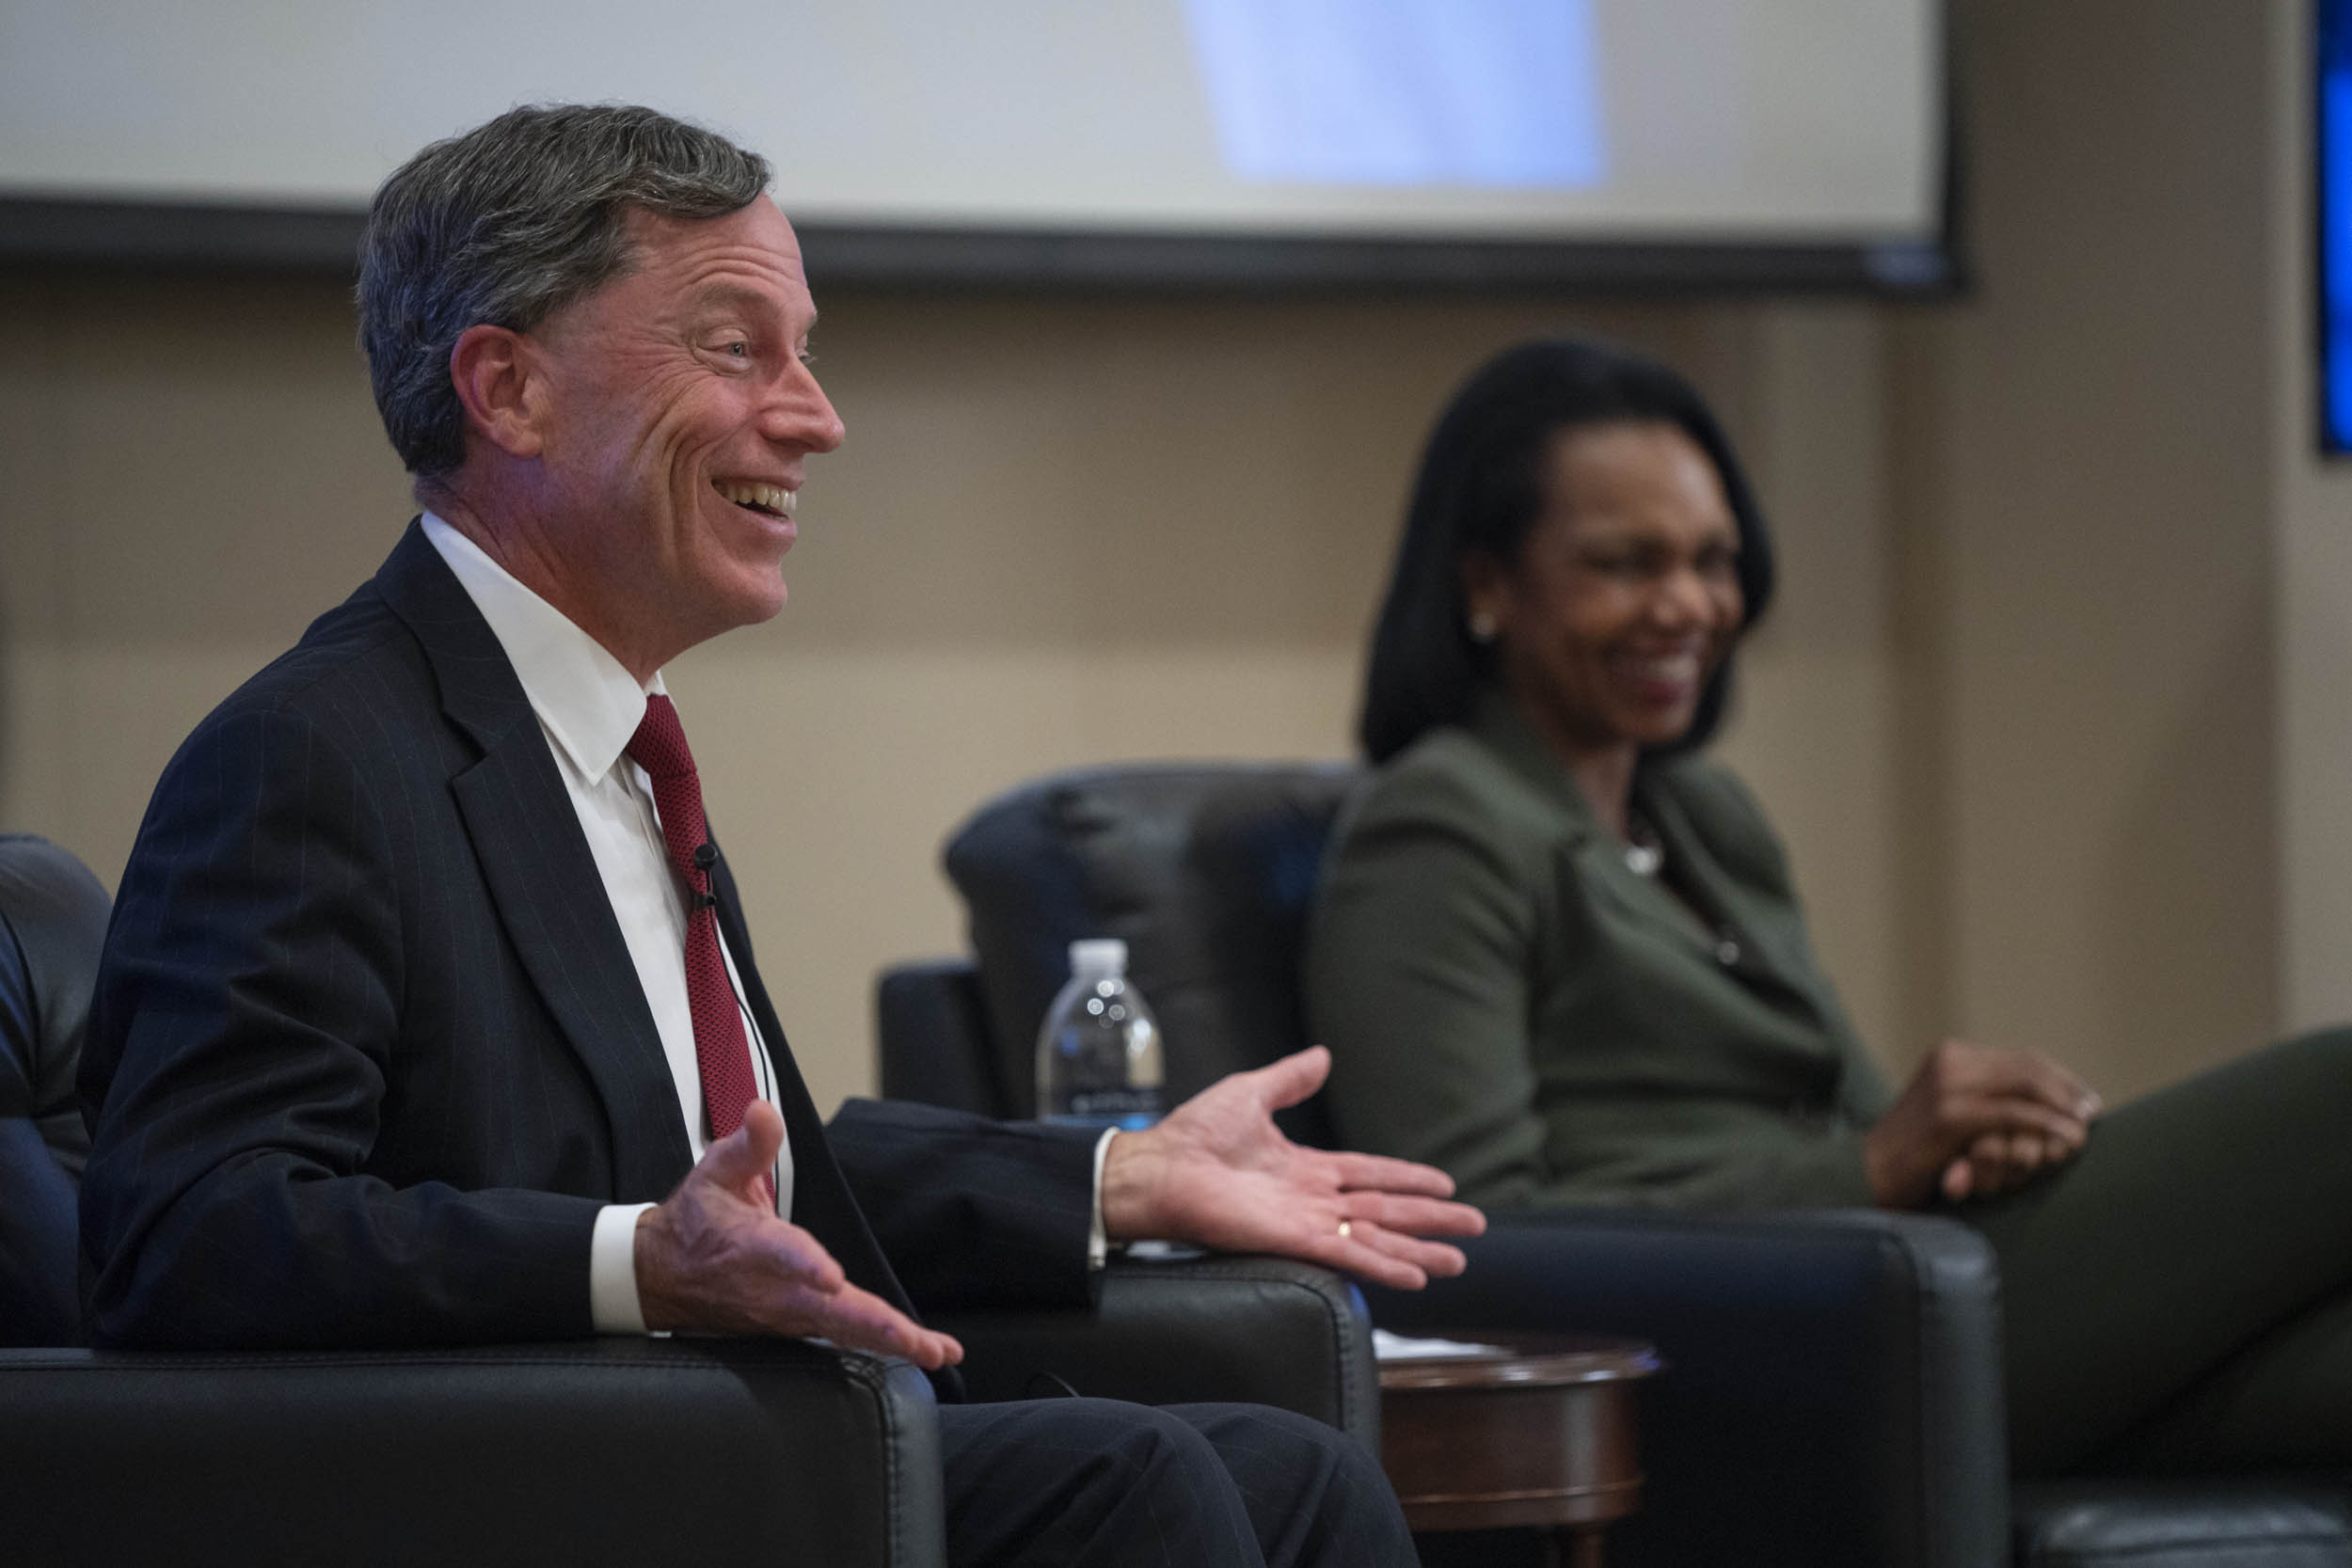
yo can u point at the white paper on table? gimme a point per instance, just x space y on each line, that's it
1396 1347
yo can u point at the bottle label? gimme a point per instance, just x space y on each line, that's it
1116 1105
1135 1123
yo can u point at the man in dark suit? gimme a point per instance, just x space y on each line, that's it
428 1013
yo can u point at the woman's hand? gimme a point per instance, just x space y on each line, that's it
1976 1120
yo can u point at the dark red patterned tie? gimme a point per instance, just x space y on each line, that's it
720 1050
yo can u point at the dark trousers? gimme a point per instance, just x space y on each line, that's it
2180 1296
1077 1482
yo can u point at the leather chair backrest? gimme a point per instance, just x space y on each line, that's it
53 923
1206 871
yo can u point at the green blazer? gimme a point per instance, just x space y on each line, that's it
1505 998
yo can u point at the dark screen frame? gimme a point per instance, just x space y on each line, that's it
189 237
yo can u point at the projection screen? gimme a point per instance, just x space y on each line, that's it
1278 142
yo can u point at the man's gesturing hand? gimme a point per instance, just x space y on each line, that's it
714 1258
1217 1172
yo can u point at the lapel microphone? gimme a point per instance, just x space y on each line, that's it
706 856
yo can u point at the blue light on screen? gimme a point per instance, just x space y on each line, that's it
1481 93
2335 218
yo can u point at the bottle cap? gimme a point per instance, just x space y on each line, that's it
1105 957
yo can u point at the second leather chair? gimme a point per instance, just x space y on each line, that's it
1833 1394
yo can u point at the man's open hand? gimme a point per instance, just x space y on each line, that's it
1216 1172
714 1258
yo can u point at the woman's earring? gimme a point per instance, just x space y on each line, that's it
1482 626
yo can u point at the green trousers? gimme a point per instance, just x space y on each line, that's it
2179 1296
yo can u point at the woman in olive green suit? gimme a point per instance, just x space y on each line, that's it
1558 953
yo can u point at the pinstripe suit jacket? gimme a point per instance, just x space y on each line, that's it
368 1053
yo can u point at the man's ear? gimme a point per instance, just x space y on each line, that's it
501 382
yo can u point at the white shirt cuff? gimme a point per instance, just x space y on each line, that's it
1098 1243
612 1303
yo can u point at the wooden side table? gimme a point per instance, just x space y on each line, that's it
1537 1431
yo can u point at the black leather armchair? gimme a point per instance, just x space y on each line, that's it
618 1452
1832 1393
609 1451
1255 1330
52 919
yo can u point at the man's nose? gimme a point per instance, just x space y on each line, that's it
799 415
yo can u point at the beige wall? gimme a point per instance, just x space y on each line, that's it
2086 451
1061 532
2014 711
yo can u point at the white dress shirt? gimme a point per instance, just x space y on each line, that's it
589 707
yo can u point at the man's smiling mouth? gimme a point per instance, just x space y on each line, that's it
771 501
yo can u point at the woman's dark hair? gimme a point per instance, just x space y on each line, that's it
1482 486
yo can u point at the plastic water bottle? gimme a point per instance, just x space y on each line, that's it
1098 1057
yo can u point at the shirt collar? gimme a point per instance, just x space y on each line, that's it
588 702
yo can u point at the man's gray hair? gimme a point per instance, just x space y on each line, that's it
506 224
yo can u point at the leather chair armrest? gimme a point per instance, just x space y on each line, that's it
1831 1383
1262 1330
617 1452
39 1238
933 1024
2227 1521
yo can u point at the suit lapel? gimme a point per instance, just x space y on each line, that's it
1639 898
821 1202
1600 860
541 875
1772 945
1760 959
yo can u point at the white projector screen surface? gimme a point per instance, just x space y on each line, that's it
1725 121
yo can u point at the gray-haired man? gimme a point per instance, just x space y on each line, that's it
429 1012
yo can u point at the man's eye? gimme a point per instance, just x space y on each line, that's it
740 349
